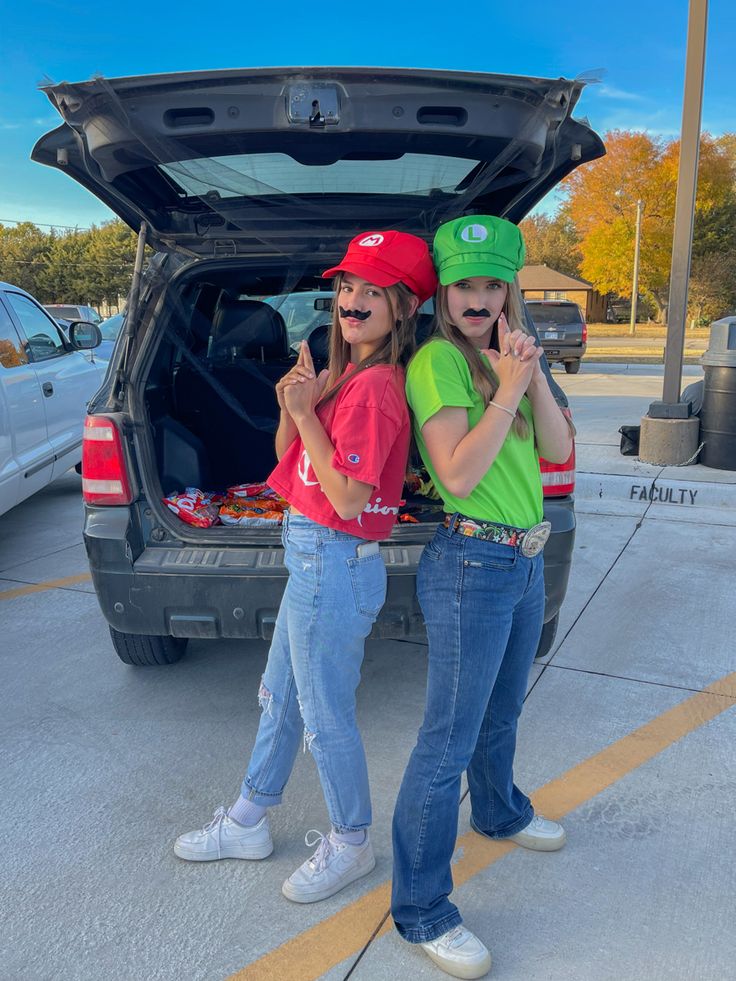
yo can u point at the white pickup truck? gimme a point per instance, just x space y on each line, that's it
45 384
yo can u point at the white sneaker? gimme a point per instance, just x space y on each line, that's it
540 835
459 953
225 838
333 866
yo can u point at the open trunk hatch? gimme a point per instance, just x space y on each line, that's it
288 160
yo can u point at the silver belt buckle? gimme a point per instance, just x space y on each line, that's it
535 539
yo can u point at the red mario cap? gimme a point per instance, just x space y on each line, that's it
387 258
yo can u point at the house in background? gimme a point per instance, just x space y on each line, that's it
543 283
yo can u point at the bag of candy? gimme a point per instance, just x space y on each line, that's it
247 513
194 507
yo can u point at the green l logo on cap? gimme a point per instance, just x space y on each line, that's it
474 233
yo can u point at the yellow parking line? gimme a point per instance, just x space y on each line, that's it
312 953
39 587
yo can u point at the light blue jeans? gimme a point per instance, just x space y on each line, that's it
483 604
307 695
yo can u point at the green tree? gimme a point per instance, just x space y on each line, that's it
65 272
23 255
111 256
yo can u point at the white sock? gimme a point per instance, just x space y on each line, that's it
348 837
245 812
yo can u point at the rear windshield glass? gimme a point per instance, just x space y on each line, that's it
561 315
266 173
66 313
300 312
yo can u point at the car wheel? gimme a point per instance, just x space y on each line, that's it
572 367
144 649
549 632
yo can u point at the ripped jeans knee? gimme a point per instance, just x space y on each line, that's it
309 736
265 699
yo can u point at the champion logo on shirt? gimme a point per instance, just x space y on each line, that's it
353 458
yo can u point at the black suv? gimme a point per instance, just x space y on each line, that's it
246 196
562 331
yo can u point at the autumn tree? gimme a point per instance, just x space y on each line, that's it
552 242
601 202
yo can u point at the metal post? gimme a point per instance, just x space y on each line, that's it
669 433
635 285
684 210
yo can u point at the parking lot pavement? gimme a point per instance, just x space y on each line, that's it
104 765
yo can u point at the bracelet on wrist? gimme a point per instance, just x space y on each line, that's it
503 408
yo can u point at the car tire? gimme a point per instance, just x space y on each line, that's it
142 650
549 632
572 367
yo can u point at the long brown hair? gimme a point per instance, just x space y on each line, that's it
396 349
484 377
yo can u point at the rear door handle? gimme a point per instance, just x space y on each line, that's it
48 389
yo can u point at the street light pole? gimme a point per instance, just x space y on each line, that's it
669 432
635 284
687 180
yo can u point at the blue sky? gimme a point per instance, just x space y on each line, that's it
637 48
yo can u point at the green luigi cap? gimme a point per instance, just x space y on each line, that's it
478 245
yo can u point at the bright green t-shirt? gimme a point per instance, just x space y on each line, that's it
510 492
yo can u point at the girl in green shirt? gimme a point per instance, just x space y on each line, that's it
483 411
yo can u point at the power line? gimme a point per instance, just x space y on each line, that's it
44 224
84 263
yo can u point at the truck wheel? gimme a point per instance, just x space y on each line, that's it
572 367
549 632
144 649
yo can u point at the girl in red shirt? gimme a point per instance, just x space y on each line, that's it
342 443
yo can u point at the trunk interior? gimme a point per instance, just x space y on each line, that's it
226 336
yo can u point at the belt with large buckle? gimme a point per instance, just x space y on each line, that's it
529 541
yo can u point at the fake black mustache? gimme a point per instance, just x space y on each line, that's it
355 314
477 313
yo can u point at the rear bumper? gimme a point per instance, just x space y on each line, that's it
559 351
208 592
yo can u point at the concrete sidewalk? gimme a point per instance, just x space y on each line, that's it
607 481
618 745
627 736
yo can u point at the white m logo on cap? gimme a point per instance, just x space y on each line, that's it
371 240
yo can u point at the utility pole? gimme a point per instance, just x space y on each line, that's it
635 285
687 180
669 434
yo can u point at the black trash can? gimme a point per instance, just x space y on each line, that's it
718 414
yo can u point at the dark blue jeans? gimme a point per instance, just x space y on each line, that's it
483 604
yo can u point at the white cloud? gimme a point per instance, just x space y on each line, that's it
44 121
611 92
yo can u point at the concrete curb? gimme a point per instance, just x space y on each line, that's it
633 490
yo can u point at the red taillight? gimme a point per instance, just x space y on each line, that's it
558 479
104 477
585 333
